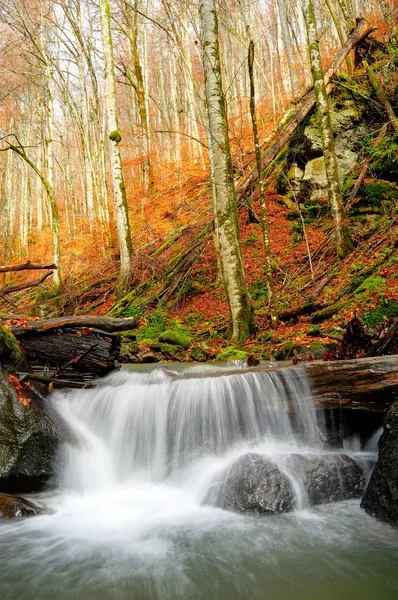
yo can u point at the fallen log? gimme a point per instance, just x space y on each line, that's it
307 103
107 324
61 383
26 266
25 286
79 354
369 384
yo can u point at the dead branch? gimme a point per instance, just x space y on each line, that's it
26 266
25 286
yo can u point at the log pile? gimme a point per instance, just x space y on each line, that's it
71 350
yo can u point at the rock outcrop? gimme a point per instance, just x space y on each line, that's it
381 495
28 438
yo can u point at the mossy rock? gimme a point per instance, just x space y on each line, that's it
386 309
176 338
11 354
168 350
378 193
199 353
232 353
285 351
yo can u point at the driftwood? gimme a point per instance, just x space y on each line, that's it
369 384
26 266
104 323
77 354
24 286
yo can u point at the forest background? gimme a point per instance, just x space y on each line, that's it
151 251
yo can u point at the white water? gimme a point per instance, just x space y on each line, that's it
142 452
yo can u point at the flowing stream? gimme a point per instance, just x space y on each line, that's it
129 516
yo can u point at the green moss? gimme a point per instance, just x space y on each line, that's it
372 284
386 309
115 136
10 351
378 192
176 337
232 353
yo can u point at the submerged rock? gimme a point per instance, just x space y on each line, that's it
328 478
381 495
255 484
15 506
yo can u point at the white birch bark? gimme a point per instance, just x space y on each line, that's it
119 190
342 232
223 191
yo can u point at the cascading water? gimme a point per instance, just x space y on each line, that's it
159 427
131 515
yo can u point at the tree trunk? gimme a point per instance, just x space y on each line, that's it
264 219
119 190
342 232
223 191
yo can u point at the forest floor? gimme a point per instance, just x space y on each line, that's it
175 266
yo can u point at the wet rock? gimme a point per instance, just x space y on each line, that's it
255 484
28 438
199 354
381 495
149 357
328 478
15 506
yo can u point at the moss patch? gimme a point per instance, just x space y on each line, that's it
386 309
232 353
175 337
10 351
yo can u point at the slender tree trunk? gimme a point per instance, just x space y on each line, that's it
342 232
264 219
224 198
287 44
119 189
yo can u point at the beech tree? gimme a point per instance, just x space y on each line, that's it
119 189
342 232
223 190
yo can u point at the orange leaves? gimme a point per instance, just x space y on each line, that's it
20 389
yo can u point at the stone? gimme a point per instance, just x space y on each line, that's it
315 173
149 357
381 495
176 338
28 442
15 506
254 484
199 354
328 478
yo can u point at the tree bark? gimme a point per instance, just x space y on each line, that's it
342 232
103 323
264 219
119 189
223 191
26 266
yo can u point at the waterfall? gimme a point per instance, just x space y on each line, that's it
157 426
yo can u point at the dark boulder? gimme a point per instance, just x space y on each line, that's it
28 438
15 506
381 495
254 484
328 478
